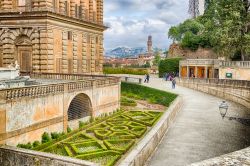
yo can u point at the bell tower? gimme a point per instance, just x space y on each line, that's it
149 43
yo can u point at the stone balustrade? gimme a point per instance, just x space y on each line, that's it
76 84
238 64
234 90
203 62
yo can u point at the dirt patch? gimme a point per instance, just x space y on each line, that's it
144 105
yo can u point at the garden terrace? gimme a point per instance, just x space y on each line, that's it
104 141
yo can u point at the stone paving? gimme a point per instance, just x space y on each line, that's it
199 132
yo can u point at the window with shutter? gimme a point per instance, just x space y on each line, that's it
80 11
76 11
66 7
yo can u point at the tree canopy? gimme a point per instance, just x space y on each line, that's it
225 27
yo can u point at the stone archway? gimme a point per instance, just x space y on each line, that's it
80 107
24 53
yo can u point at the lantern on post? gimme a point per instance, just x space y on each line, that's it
223 107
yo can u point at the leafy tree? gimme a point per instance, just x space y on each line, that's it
225 27
230 21
157 58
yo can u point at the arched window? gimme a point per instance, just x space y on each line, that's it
80 107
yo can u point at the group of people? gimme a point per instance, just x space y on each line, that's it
167 77
170 77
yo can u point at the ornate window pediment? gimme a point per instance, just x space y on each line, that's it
23 41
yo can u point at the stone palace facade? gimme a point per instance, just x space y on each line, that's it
55 36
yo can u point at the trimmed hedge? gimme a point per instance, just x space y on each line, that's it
140 92
134 71
128 102
169 66
113 136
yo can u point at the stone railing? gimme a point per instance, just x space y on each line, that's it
240 64
42 90
190 62
66 76
234 90
218 82
132 79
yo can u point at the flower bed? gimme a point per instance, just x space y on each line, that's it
104 142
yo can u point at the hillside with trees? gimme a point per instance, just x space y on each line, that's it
225 28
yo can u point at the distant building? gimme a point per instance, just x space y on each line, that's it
150 44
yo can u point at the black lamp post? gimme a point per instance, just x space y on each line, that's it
223 108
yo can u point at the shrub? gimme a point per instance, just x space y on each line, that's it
25 146
69 129
55 135
128 102
45 137
134 71
169 66
36 143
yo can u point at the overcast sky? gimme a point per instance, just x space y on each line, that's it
131 21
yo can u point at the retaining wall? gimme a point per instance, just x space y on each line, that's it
146 147
21 157
241 157
233 91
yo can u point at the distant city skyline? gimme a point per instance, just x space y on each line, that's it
132 21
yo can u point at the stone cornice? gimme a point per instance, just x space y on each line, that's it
52 16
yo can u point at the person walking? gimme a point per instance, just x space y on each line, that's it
173 83
145 78
148 78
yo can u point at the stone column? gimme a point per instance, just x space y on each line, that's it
180 69
91 12
196 71
100 11
75 57
84 52
206 69
65 52
187 71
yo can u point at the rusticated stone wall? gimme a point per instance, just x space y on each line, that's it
202 53
60 36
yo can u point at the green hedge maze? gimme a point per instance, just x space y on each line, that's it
105 142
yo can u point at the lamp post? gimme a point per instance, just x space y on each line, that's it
223 108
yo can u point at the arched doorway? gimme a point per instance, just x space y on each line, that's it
24 53
79 107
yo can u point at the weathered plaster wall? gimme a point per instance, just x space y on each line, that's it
26 119
237 73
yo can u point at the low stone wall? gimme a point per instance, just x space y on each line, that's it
232 92
241 157
15 156
146 147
